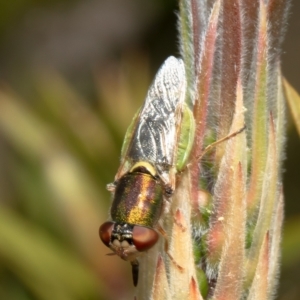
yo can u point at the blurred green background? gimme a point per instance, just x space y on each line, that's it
72 74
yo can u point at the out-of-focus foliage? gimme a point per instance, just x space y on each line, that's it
10 11
293 100
58 152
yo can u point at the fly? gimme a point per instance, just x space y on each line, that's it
155 148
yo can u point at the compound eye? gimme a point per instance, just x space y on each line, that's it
105 232
144 238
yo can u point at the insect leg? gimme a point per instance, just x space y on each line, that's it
166 246
214 144
135 271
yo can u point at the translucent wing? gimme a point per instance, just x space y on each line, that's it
154 134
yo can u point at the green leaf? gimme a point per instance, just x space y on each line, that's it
293 100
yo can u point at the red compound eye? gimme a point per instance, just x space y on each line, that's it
105 232
144 238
